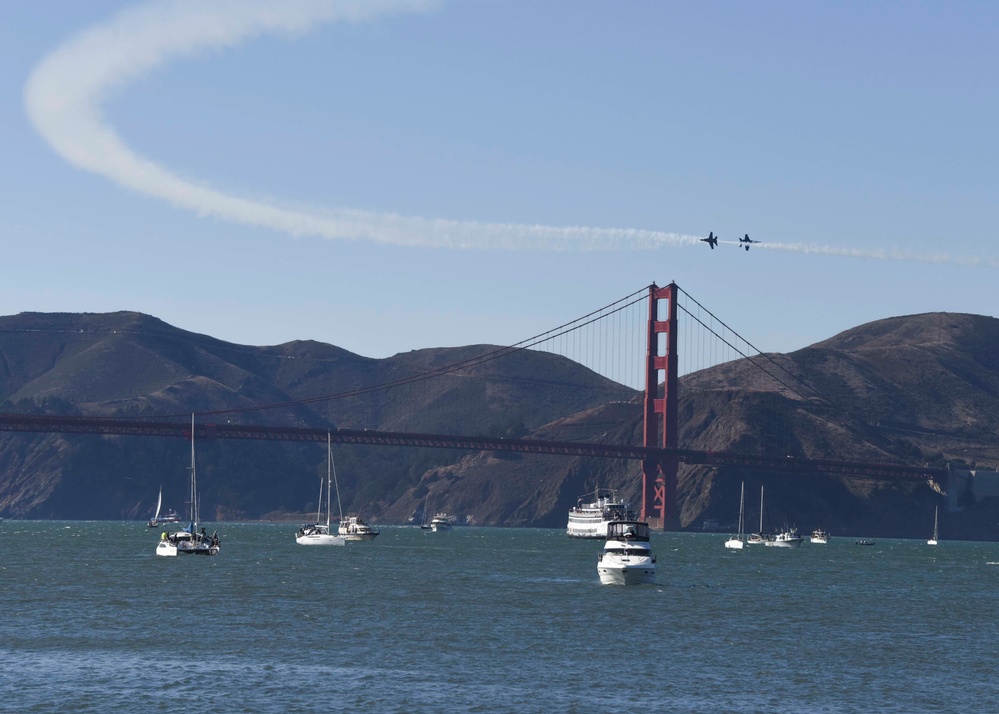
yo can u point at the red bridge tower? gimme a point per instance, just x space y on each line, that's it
659 474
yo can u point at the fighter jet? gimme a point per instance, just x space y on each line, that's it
710 240
746 241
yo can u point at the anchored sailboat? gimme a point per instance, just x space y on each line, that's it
189 541
933 540
169 517
737 541
319 534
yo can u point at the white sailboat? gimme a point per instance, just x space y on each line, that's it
189 541
319 534
760 537
933 540
736 542
169 517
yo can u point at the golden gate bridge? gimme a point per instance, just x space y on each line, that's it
659 453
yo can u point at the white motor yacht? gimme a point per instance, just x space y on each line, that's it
440 523
627 556
819 536
353 528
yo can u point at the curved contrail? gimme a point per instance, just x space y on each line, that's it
65 94
66 91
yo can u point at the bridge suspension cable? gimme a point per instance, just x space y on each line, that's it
540 342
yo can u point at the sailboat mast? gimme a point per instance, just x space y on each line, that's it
329 477
761 508
335 482
742 508
194 482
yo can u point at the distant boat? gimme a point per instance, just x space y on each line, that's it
590 520
933 540
189 541
627 557
736 542
787 537
168 517
319 534
820 536
441 523
353 528
761 537
862 541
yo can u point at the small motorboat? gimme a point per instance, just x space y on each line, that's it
627 556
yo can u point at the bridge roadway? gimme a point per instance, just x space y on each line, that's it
34 423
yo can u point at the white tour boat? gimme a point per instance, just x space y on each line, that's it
189 541
589 520
737 542
319 534
627 557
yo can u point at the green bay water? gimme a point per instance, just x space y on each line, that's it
489 620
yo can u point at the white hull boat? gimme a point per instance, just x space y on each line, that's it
933 540
737 541
168 517
441 523
819 536
759 538
353 528
590 520
319 534
627 557
189 541
786 538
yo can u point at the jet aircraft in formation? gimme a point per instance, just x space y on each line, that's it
712 241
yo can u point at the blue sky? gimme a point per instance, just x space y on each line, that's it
413 167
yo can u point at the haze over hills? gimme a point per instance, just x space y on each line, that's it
921 388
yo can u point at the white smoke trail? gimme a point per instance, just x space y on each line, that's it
65 94
883 254
66 91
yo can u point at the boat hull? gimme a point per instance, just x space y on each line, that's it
627 574
320 539
734 544
785 543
